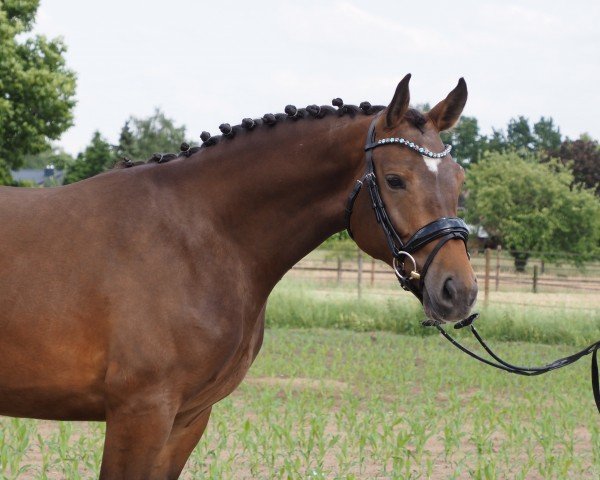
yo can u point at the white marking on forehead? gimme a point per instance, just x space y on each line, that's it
432 163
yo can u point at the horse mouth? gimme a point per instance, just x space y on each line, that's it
430 322
432 317
437 314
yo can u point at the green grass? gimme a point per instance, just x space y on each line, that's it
347 388
339 404
295 304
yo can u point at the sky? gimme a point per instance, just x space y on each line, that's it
205 62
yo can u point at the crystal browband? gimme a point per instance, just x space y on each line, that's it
415 147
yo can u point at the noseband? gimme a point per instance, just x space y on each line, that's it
443 229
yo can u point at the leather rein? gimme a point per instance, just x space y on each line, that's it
443 229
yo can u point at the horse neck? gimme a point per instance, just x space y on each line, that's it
278 192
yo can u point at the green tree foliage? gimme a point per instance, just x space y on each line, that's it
340 246
522 138
519 134
5 177
466 141
532 206
583 157
141 137
496 142
96 158
547 136
36 88
126 140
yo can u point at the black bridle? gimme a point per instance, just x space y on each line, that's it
443 229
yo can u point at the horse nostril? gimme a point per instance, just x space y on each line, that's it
449 290
472 295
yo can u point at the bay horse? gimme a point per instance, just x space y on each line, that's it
137 297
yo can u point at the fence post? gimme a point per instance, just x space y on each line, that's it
372 271
486 290
535 278
339 270
498 250
360 271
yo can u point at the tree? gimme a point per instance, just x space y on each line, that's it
141 137
340 245
497 142
547 136
519 134
36 88
96 158
466 141
523 139
583 156
5 177
531 206
126 140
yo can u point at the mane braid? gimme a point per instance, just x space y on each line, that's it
270 120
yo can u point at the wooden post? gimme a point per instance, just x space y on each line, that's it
372 271
542 267
360 271
498 250
339 270
535 278
486 291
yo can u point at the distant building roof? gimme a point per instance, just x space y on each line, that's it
39 176
478 231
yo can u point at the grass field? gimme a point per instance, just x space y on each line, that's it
340 404
572 319
334 403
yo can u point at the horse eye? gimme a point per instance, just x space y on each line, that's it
395 182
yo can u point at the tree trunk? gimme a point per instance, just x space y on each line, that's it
520 260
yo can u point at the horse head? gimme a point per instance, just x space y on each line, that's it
412 186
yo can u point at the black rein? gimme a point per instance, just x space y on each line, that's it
526 371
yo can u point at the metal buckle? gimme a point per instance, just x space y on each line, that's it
399 269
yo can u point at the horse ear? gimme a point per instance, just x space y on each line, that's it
446 113
399 105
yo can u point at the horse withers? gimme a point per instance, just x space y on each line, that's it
137 297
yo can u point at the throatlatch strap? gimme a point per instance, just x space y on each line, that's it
350 205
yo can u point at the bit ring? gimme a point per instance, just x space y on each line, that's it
399 270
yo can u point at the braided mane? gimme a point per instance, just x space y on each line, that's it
292 113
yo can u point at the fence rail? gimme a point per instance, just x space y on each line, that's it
495 270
